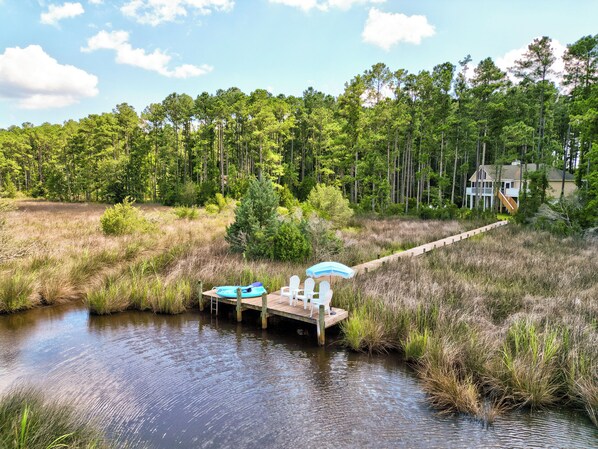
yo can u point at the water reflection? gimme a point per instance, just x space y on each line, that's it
198 381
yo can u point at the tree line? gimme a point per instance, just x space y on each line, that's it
392 141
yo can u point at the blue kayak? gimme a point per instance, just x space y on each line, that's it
249 291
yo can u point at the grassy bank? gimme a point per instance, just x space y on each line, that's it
28 421
509 319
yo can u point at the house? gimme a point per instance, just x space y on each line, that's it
504 182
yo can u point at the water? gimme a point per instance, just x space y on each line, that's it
193 381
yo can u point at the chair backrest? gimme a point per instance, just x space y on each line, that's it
309 285
324 290
294 282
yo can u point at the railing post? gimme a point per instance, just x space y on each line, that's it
239 307
264 311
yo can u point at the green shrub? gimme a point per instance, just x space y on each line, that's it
220 201
287 200
328 202
187 194
184 212
122 219
212 209
255 221
10 190
324 243
394 209
290 243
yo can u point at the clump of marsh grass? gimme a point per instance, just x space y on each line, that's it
16 291
529 367
415 346
362 332
110 298
28 421
449 389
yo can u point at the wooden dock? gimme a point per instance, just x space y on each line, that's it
274 304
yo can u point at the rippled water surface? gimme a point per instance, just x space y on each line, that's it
192 381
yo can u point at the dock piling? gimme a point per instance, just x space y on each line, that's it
239 307
264 311
321 325
200 294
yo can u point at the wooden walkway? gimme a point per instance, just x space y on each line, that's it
423 249
274 304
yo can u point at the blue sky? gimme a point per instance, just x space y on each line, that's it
61 60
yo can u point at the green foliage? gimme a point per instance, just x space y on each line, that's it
10 190
290 243
324 242
28 421
218 204
189 213
533 195
122 219
255 221
212 209
329 203
287 200
188 194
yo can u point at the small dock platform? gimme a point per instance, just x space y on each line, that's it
274 304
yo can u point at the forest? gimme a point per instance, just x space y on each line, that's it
393 141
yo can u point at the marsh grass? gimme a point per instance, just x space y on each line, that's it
28 421
516 311
16 291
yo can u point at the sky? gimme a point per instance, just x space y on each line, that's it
63 60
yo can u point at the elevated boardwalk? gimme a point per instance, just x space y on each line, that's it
423 249
274 304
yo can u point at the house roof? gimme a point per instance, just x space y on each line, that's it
514 172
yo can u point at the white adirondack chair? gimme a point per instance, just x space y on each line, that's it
291 290
306 293
322 297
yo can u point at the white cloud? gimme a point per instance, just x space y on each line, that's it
156 61
56 13
507 61
324 5
96 2
38 81
387 29
155 12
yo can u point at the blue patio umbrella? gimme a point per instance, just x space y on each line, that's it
330 269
